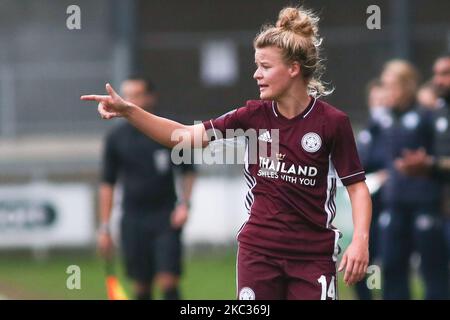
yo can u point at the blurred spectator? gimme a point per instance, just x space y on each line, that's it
376 100
371 149
437 165
151 223
427 96
411 220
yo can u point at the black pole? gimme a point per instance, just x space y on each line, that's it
125 39
401 28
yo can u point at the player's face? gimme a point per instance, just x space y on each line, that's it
397 95
272 73
441 77
427 98
136 92
377 97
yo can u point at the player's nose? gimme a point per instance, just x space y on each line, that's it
257 75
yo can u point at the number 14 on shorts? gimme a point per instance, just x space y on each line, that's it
328 290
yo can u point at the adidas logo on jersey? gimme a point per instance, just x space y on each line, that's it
265 137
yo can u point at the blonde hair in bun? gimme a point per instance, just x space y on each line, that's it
296 33
299 21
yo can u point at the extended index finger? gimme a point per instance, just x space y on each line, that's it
94 97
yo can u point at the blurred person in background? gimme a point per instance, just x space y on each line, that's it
427 96
437 165
152 218
376 101
288 248
371 149
411 221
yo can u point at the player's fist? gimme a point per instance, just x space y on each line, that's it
105 244
179 216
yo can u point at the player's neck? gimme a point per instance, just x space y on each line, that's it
291 105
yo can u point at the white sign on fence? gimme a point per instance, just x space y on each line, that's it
44 215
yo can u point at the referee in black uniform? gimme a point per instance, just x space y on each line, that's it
152 217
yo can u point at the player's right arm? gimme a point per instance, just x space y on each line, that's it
106 194
109 176
164 131
104 240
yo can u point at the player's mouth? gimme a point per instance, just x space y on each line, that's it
262 86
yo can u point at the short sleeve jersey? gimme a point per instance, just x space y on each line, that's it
291 197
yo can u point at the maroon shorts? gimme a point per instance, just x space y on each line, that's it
262 277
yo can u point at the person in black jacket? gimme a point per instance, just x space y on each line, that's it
411 220
152 218
371 149
437 165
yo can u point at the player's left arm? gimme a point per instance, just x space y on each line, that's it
187 185
356 258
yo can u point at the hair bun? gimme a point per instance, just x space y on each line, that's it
296 20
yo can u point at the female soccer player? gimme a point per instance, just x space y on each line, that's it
288 247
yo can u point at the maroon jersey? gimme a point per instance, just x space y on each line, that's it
291 198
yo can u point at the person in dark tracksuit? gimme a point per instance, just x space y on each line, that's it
152 218
411 220
371 149
437 165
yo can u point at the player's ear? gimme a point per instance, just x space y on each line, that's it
152 99
294 69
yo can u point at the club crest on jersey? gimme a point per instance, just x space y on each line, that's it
246 294
441 124
311 142
410 120
162 160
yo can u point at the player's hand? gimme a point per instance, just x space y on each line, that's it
382 176
111 105
414 163
105 245
179 216
355 261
